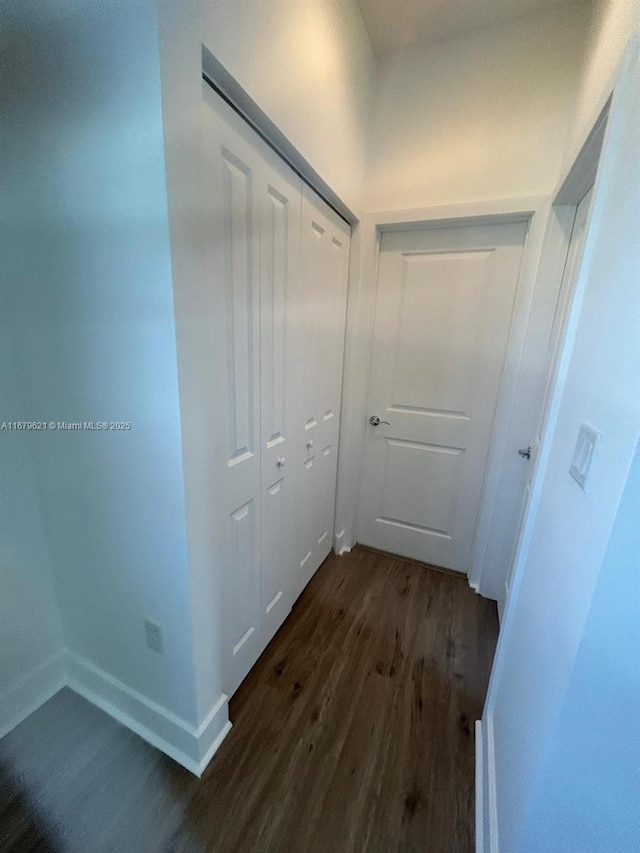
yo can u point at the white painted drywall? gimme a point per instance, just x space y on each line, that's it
610 24
309 65
568 530
588 793
481 117
30 629
88 292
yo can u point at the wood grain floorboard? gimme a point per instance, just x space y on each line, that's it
353 733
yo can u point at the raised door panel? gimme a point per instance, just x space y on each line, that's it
432 365
306 532
325 501
337 270
243 624
240 281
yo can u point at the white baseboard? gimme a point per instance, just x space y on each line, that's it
479 788
341 543
20 700
486 801
191 747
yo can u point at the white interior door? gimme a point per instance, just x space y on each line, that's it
571 270
444 304
320 326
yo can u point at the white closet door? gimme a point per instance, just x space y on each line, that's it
253 221
232 285
279 200
324 271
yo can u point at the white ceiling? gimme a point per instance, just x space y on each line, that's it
397 24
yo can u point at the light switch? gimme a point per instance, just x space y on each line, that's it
583 455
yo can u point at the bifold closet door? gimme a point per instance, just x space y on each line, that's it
322 298
252 219
280 205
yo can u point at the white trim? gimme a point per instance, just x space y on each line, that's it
224 731
479 806
485 777
490 789
502 603
339 545
504 208
204 725
21 699
582 174
192 747
473 583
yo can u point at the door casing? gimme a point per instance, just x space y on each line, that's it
536 212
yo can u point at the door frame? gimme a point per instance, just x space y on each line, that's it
578 181
536 211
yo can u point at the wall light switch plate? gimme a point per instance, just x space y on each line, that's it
153 632
584 454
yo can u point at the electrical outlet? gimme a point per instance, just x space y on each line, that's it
153 632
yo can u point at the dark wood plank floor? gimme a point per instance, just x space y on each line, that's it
353 732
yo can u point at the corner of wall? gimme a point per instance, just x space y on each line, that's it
192 747
24 697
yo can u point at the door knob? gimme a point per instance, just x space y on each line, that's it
525 452
280 462
374 420
310 443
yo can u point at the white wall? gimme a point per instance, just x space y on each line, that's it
309 65
481 117
30 630
588 793
87 289
610 24
568 530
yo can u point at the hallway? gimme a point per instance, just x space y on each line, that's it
378 657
